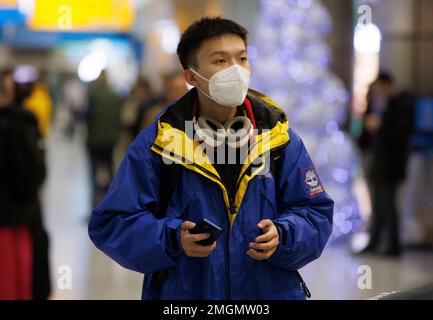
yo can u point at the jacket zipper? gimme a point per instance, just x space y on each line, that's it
243 174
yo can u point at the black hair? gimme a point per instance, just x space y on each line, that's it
385 77
202 30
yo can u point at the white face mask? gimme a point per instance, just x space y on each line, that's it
229 86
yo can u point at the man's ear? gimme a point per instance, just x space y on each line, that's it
190 77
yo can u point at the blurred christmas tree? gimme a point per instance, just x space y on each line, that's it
290 62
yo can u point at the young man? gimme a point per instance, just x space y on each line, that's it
274 221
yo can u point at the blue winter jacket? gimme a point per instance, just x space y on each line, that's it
141 232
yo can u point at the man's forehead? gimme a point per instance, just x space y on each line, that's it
228 44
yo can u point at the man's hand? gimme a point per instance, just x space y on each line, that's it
268 242
188 240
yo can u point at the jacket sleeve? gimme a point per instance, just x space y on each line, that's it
124 225
305 209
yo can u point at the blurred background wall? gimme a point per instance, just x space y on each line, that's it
407 41
406 48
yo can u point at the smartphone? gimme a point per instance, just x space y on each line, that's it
206 226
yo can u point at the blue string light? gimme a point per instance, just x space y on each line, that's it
291 59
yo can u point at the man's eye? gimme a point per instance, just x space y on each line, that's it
244 59
221 61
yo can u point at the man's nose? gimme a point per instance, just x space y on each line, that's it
232 62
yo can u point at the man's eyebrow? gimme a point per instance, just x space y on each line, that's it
218 52
226 53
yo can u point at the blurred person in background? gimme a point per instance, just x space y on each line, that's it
174 88
390 152
140 99
40 103
371 123
103 132
75 99
24 266
7 88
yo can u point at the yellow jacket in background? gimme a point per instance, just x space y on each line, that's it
41 105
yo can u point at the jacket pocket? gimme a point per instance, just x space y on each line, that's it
179 204
262 207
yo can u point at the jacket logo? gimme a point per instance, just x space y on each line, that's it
312 182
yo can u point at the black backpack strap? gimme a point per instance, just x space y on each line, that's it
275 168
169 177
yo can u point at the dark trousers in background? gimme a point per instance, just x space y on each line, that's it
385 220
41 267
100 159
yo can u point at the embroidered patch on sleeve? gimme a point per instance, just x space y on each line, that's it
311 181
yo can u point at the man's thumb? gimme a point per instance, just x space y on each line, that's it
188 225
